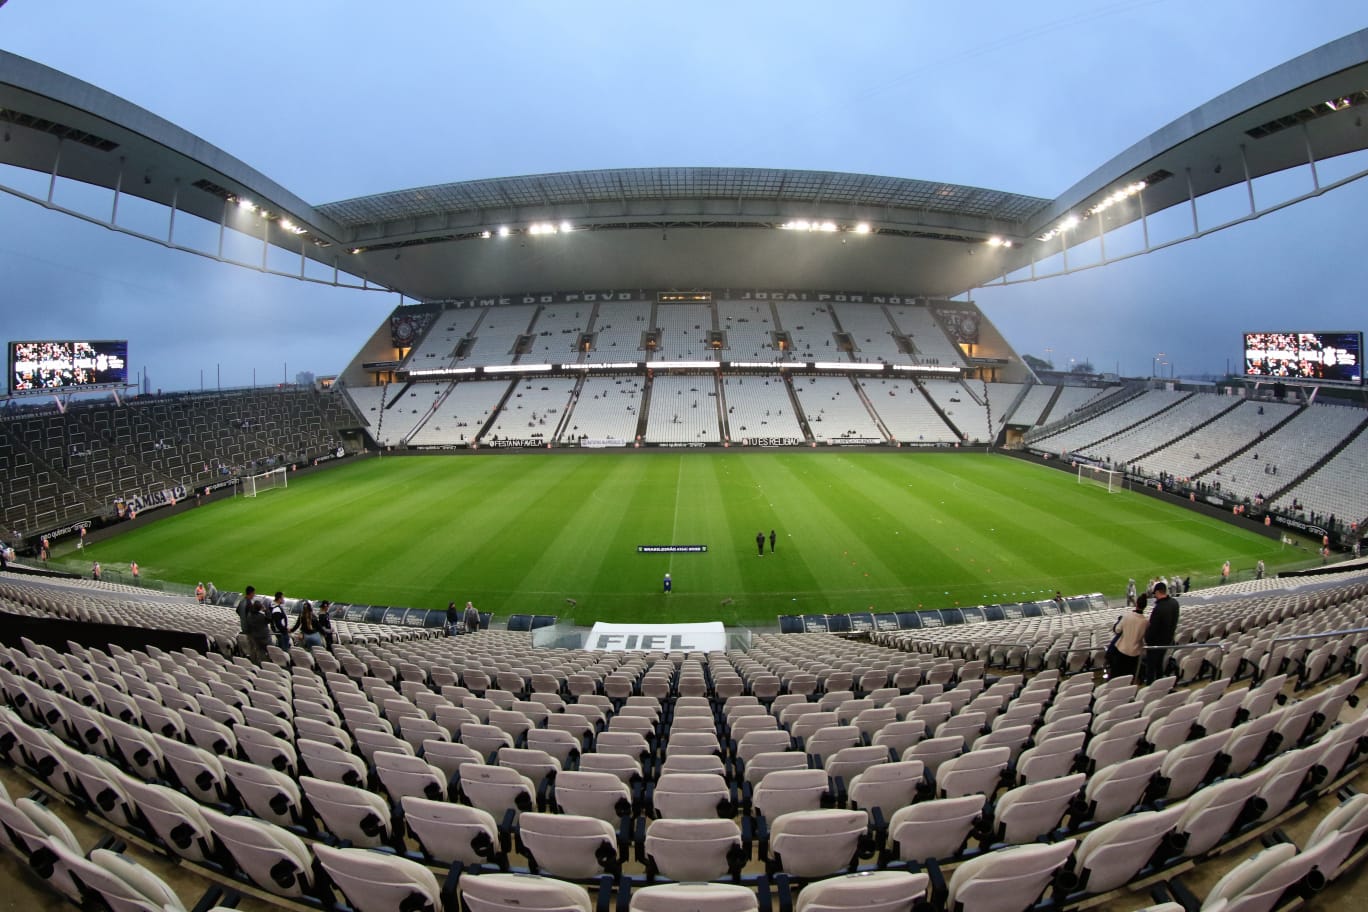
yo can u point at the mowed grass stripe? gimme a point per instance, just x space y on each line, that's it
525 532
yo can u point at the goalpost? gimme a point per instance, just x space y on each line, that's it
252 485
1110 479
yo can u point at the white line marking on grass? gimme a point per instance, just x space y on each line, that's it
674 527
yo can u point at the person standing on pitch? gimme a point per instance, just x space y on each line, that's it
667 583
1163 626
760 543
772 541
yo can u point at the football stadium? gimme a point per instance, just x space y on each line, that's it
686 538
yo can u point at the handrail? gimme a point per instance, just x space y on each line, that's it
1317 636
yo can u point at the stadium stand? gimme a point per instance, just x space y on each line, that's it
605 408
928 339
1290 450
619 329
557 330
1098 427
835 409
903 407
870 331
759 406
1001 398
748 326
1214 442
810 330
483 767
63 466
962 407
439 345
683 410
1181 419
496 336
684 332
1337 488
1033 407
457 412
533 410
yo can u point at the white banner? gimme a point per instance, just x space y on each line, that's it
708 636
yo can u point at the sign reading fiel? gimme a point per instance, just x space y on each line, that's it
671 549
709 636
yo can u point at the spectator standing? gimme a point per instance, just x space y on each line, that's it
1225 572
95 570
307 626
199 593
1130 593
257 631
453 619
325 623
244 607
133 571
667 584
1259 570
1123 658
772 538
1163 627
472 618
280 624
45 550
760 543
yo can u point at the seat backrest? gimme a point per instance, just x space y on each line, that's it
379 883
931 830
816 843
1007 880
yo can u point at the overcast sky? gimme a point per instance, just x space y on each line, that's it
345 98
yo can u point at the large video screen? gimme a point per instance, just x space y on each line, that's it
1334 357
55 366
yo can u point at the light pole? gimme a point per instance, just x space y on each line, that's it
1154 364
1049 353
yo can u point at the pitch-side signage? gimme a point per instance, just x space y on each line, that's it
709 636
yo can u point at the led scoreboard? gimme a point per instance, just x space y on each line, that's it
56 366
1324 357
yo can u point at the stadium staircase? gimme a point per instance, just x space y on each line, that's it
869 406
436 406
397 396
720 400
494 412
939 411
1008 412
570 407
1190 431
1249 446
588 331
1316 466
983 401
1087 412
1135 424
645 406
798 408
1049 406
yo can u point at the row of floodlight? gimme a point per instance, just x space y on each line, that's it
284 223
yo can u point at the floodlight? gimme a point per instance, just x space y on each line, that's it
826 226
246 204
486 235
995 241
566 227
503 231
862 228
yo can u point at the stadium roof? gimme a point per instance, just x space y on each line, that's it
739 185
678 227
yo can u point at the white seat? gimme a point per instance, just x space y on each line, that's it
867 891
380 883
1114 853
1006 880
1210 813
816 843
349 813
497 789
272 796
785 791
271 857
695 796
403 774
887 787
593 794
1114 790
328 761
452 833
694 850
977 772
934 830
1030 812
690 897
505 892
568 845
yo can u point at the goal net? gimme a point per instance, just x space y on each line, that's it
252 485
1110 479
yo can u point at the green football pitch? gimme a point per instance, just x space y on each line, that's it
524 533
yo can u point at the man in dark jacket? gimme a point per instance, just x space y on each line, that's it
257 629
1163 627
